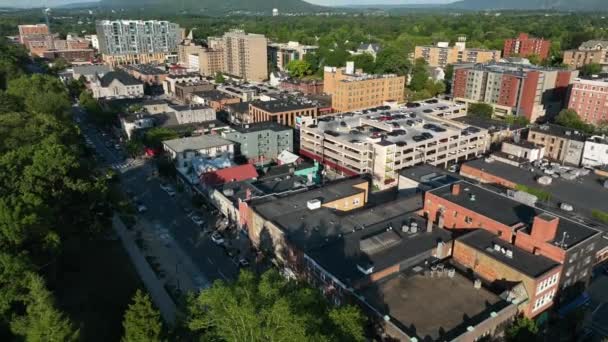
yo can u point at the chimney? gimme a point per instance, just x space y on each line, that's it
544 227
429 226
456 189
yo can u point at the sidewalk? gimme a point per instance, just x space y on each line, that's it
155 287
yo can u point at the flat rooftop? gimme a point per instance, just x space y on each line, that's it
584 193
196 143
559 131
491 125
146 69
402 126
523 261
214 95
509 212
433 308
429 175
282 105
262 126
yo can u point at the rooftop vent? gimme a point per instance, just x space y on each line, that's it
366 268
472 197
414 228
477 284
313 204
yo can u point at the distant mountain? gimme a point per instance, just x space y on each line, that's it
197 6
558 5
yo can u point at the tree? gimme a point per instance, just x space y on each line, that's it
392 61
569 118
155 136
534 59
40 94
76 87
523 329
314 61
142 321
481 109
420 75
42 321
269 308
93 108
298 68
434 88
590 69
219 78
365 61
9 103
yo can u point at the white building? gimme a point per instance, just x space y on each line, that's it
171 80
92 38
117 85
194 63
184 150
524 150
595 152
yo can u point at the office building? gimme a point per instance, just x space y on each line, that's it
261 143
589 98
442 54
280 54
513 89
592 51
383 142
526 46
137 41
353 90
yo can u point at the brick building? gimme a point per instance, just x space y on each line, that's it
592 51
525 46
36 38
589 98
282 111
147 73
561 144
308 87
70 55
442 54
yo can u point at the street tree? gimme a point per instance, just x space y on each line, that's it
142 321
481 109
299 68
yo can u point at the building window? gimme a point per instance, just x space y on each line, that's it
468 219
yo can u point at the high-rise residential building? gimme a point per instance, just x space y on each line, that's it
280 54
589 98
353 90
592 51
245 54
442 54
37 38
525 46
137 41
513 89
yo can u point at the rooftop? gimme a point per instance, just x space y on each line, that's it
491 125
433 308
241 107
510 213
231 174
121 76
584 193
523 261
213 95
282 105
429 175
90 69
262 126
559 131
146 69
509 68
196 143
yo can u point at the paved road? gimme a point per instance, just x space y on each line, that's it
164 213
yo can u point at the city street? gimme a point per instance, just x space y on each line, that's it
189 243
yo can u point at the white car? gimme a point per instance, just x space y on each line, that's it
141 208
566 207
243 262
217 238
197 220
170 191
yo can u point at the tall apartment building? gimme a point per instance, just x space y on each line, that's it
208 61
442 54
513 89
592 51
280 54
245 54
37 38
137 41
353 90
383 142
525 46
589 98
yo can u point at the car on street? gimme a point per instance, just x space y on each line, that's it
197 220
141 208
217 239
243 262
188 211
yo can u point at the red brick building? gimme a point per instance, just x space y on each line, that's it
589 98
525 46
71 55
311 87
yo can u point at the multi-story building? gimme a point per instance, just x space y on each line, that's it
244 54
117 85
179 78
353 90
137 41
70 56
282 111
149 74
562 144
525 46
383 142
442 54
595 152
592 51
464 206
184 150
183 91
513 89
261 143
589 98
307 87
214 99
280 54
36 38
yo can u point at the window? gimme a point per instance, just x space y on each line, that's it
468 219
356 201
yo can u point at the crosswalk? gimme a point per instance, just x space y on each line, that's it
128 164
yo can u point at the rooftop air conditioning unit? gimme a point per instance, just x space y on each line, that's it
313 204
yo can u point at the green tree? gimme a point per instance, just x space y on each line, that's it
480 110
392 61
590 69
76 87
9 103
535 59
298 68
42 321
434 88
523 329
364 61
420 75
314 61
269 308
41 94
154 137
219 78
569 118
142 321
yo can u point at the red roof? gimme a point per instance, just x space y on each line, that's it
231 174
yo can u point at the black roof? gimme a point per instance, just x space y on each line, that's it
511 213
283 105
560 131
121 76
213 94
430 176
521 260
146 69
262 126
241 107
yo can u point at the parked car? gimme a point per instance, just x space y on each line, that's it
566 207
197 220
217 239
141 208
243 262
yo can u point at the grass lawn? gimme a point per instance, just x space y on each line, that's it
96 286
